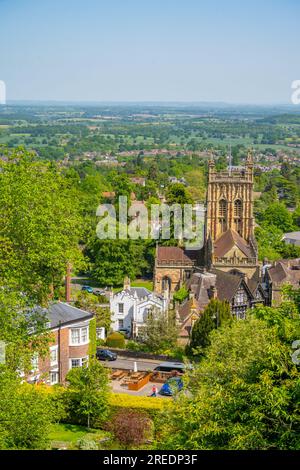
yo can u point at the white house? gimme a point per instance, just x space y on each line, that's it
292 238
130 307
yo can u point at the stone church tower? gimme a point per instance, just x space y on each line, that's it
230 243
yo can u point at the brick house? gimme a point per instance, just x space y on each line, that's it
70 328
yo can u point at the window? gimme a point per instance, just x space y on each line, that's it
237 211
120 324
237 208
223 215
75 336
35 362
75 363
84 335
53 355
222 208
78 362
240 298
79 336
53 377
121 308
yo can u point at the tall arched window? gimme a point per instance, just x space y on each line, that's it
223 215
237 212
222 208
238 208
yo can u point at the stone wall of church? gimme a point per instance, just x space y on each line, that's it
173 274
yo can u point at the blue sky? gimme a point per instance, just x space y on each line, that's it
150 50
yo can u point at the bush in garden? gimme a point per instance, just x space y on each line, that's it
131 428
116 340
86 444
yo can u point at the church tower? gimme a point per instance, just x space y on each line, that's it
230 222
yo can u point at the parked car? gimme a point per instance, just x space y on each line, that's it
106 355
88 289
171 385
125 332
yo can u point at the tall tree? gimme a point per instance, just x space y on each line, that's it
214 315
39 224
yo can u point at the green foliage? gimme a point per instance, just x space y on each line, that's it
39 224
116 340
178 194
215 314
26 415
243 395
90 303
87 394
113 260
86 444
160 332
181 294
92 338
276 214
24 334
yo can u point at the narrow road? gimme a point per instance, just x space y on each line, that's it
128 364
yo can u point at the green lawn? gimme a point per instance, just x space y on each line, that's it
70 433
142 283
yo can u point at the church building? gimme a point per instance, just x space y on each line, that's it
227 265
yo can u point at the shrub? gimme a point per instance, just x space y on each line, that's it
181 294
153 406
131 427
135 346
116 340
86 444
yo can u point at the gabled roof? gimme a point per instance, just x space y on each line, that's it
228 284
139 292
285 271
227 241
185 311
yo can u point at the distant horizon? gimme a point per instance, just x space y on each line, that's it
150 103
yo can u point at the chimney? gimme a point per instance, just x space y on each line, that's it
213 291
68 283
126 283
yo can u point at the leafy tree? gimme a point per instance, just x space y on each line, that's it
214 315
88 392
178 194
243 395
276 214
90 303
22 330
39 224
160 332
181 294
113 260
26 414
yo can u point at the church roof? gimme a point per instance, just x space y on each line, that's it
228 240
175 254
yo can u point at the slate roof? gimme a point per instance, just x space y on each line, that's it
228 240
61 313
140 292
226 284
285 271
295 236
